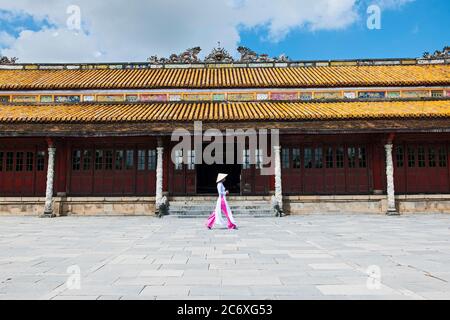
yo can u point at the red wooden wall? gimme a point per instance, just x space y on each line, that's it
312 165
327 165
115 167
421 164
23 167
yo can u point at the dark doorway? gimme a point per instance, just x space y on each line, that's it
207 175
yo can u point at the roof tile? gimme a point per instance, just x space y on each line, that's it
223 111
333 76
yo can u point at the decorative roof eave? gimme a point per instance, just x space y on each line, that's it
229 112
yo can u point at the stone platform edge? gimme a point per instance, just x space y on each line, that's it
294 205
79 206
370 204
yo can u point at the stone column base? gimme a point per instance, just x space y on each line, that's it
393 213
47 215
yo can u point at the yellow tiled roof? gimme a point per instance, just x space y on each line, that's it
239 111
329 76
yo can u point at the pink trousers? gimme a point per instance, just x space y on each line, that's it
212 217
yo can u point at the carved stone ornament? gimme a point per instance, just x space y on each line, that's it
218 55
188 56
6 60
248 55
445 53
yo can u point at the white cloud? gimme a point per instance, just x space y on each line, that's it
6 39
115 30
52 45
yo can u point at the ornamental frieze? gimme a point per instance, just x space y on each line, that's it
232 96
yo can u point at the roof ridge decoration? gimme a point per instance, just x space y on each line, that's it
188 56
248 55
445 53
5 60
217 55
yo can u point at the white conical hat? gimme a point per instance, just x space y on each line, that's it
221 176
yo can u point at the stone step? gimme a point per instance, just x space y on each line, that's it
231 203
201 207
205 217
211 207
236 215
206 208
215 198
249 213
207 213
210 210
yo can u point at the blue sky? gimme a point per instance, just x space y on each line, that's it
419 26
36 30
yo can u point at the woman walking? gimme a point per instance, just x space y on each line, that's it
221 206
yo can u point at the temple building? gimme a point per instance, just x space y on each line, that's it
369 136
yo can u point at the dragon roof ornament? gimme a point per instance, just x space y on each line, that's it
218 55
248 55
445 53
188 56
5 60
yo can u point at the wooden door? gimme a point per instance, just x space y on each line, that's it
248 173
358 180
329 170
400 165
291 170
183 174
313 174
124 171
427 168
81 171
340 171
41 172
103 171
254 180
8 174
23 173
2 175
146 171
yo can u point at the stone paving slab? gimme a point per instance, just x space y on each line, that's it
303 257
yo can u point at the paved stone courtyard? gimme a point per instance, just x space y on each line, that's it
304 257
